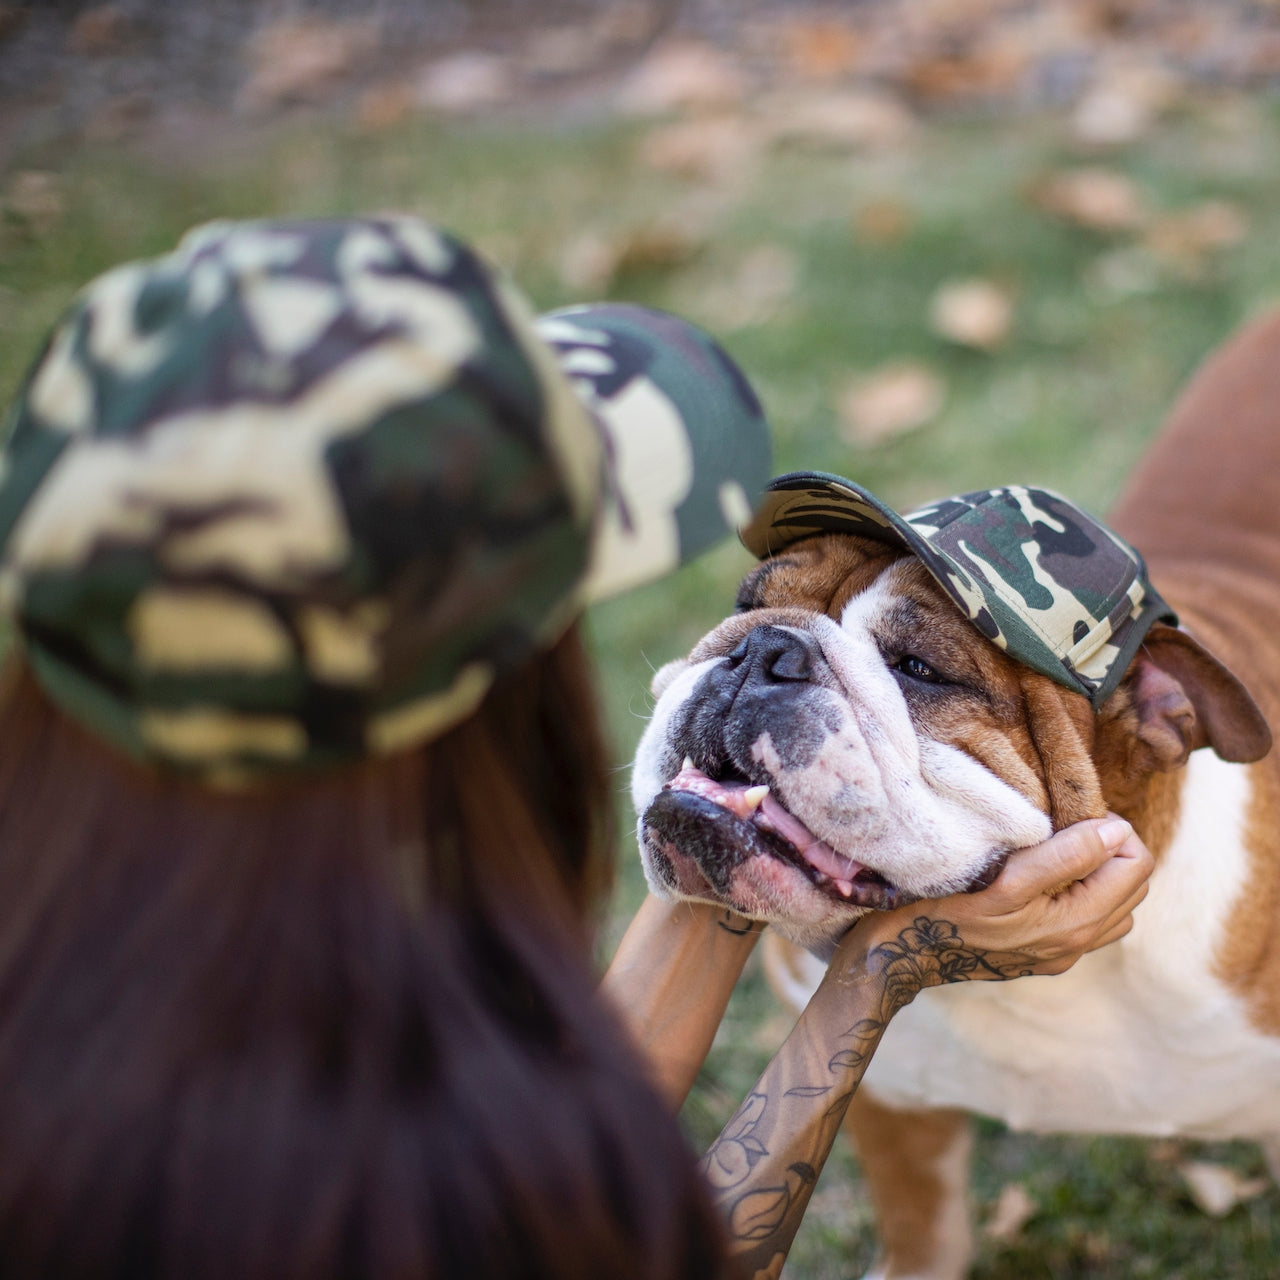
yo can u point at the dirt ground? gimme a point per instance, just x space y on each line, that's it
181 70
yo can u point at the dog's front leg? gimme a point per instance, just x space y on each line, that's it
917 1166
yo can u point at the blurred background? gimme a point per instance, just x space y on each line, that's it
954 243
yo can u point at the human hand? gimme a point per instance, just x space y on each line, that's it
1024 923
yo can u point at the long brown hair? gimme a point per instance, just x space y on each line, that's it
343 1027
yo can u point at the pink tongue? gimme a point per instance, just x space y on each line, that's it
818 853
772 817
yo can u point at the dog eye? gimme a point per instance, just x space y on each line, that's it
918 669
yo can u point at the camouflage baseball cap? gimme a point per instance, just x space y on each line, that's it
1038 576
297 492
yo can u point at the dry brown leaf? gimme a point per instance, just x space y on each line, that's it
683 75
658 247
383 106
841 120
302 59
35 196
627 21
706 147
563 50
972 313
1185 239
1217 1188
587 262
821 49
890 401
882 222
465 82
104 29
986 69
1123 105
592 260
1092 197
1013 1210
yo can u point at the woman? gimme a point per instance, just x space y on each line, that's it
303 800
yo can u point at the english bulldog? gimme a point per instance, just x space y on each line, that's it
898 702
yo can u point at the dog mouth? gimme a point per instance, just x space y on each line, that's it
722 823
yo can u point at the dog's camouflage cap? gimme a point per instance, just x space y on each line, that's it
1038 576
298 492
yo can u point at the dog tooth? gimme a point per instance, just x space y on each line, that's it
845 887
688 764
754 796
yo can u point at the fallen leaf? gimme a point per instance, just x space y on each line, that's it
1216 1189
683 75
1013 1210
986 69
592 260
628 21
657 247
705 147
890 401
563 50
882 222
383 106
972 313
587 263
821 49
465 82
1123 105
35 197
103 29
837 119
1185 239
302 59
1092 197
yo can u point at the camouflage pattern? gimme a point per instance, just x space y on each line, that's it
1035 574
297 492
646 375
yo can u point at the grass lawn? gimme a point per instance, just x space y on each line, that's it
1106 328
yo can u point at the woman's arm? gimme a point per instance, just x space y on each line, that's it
763 1167
670 981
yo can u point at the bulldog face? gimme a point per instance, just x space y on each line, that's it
847 741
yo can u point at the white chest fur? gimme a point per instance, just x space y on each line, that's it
1137 1038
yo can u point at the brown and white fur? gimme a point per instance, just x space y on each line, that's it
1175 1030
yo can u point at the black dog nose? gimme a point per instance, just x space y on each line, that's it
774 656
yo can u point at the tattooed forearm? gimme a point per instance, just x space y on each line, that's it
763 1167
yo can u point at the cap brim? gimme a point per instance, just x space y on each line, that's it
808 504
687 446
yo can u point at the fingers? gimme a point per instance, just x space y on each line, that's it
1120 880
1098 909
1071 855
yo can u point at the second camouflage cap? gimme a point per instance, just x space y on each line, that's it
1038 576
299 492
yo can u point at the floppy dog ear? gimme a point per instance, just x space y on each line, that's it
1185 699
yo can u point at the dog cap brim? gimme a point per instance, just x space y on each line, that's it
1039 577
